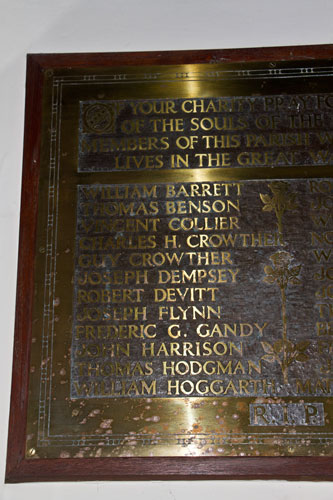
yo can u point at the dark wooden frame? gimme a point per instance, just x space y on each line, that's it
18 468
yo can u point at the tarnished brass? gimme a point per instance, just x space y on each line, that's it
183 298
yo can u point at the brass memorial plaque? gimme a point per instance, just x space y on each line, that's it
183 263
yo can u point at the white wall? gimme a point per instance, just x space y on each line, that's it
126 25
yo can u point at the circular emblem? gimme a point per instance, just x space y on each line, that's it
98 118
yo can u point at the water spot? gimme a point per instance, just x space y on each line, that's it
94 413
155 418
106 423
79 454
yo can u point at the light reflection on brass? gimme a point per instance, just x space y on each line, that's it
273 419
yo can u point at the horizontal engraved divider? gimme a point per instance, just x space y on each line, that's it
207 175
249 71
183 440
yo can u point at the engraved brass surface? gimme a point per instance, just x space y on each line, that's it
183 283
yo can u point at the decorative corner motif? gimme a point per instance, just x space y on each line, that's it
99 118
